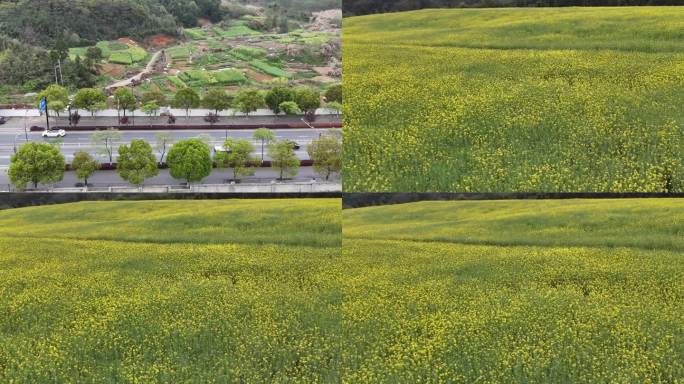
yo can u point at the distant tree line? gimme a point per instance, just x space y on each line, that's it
279 99
363 7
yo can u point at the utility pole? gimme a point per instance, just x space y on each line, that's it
47 114
61 77
25 131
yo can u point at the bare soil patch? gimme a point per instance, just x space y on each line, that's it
323 71
323 79
258 76
113 70
160 41
127 41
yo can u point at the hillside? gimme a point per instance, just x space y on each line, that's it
170 291
44 22
515 291
206 44
486 100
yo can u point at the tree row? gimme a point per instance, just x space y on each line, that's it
189 160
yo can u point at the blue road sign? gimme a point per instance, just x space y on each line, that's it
43 104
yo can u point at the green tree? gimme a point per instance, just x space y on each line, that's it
154 95
264 135
334 94
238 157
186 98
334 106
84 165
326 153
90 99
78 74
278 95
248 101
93 58
283 158
163 140
57 98
105 141
136 162
125 100
290 108
216 99
308 99
36 163
150 108
189 160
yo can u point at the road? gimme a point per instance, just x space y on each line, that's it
196 118
218 176
137 77
11 138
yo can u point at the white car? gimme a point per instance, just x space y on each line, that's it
219 148
54 133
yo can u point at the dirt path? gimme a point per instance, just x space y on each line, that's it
148 69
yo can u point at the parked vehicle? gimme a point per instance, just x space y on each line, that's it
211 118
294 144
54 133
3 120
220 148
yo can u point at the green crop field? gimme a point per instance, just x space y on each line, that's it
180 52
171 291
234 31
564 99
229 76
574 291
114 51
269 69
196 33
120 57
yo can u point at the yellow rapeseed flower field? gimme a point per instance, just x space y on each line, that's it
487 100
255 291
171 292
576 291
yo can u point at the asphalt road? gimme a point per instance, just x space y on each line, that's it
11 138
218 176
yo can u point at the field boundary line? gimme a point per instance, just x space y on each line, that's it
598 50
160 242
352 200
511 244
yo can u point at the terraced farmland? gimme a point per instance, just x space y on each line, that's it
235 55
566 99
186 291
579 291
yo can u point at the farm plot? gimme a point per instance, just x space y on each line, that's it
269 69
203 78
114 52
235 30
572 99
191 291
577 291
